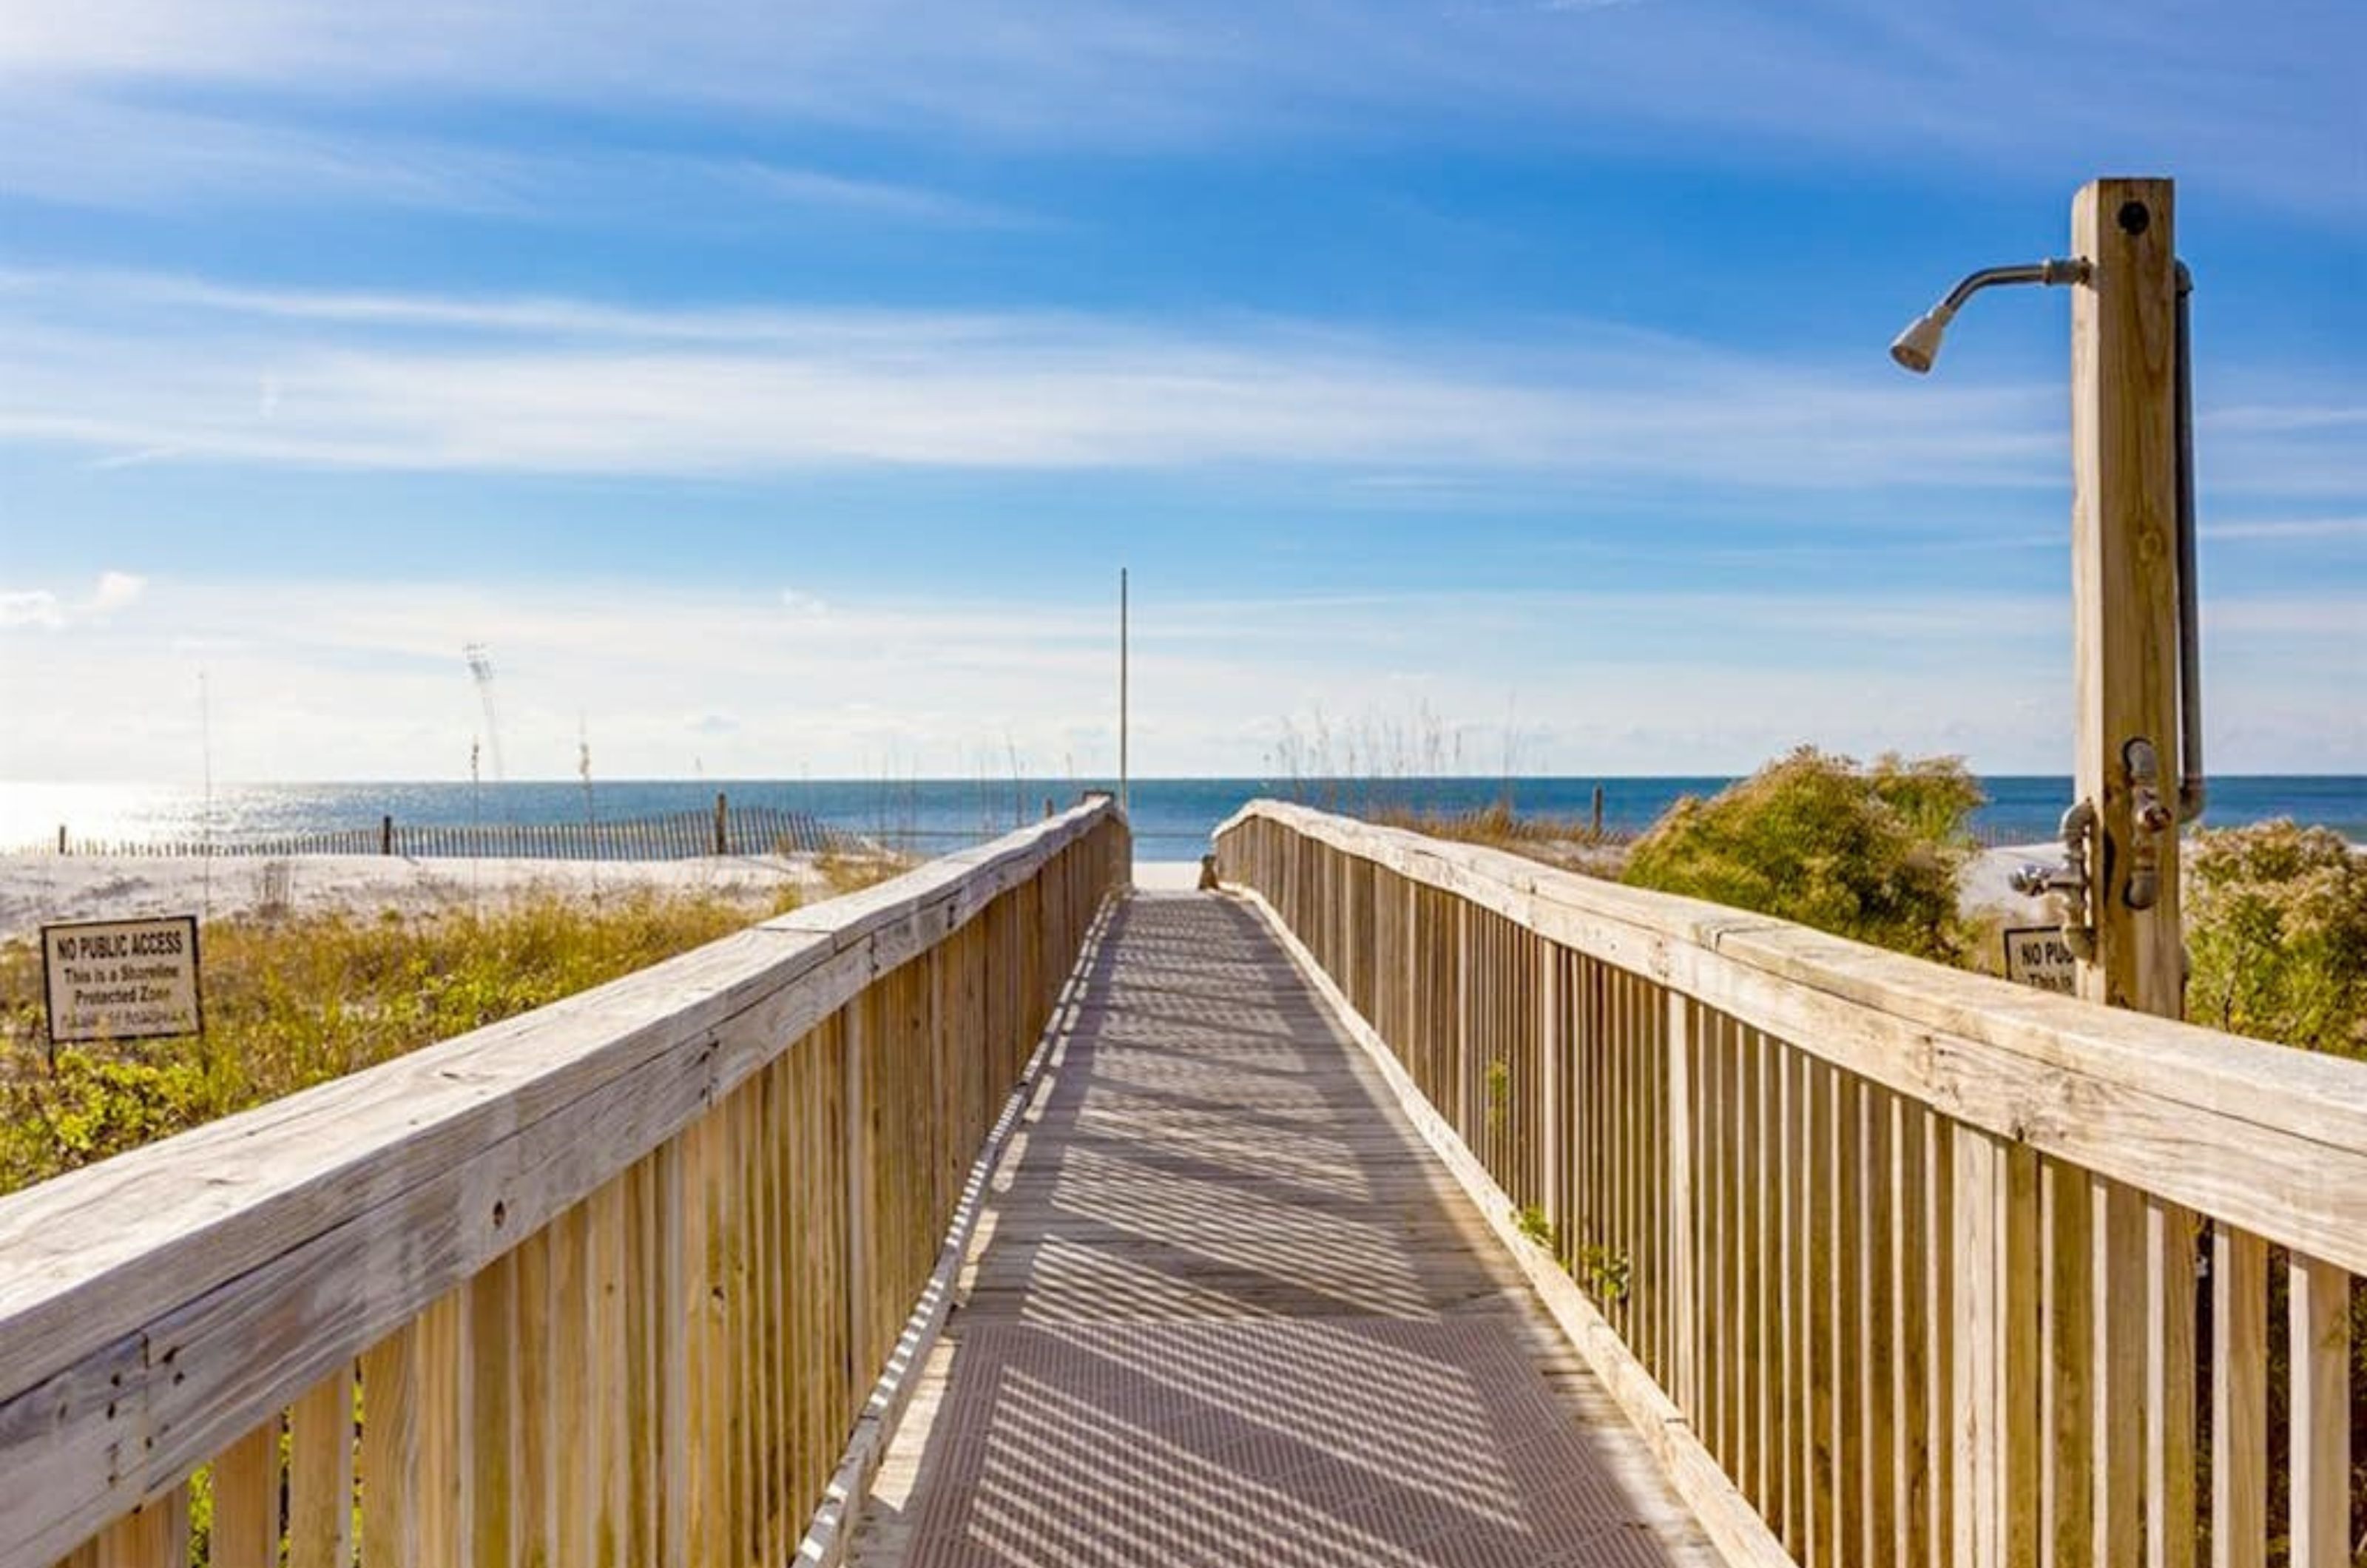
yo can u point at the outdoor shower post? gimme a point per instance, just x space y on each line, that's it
2125 585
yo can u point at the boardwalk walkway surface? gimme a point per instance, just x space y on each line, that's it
1227 1307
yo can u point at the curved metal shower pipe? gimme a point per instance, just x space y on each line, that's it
1919 346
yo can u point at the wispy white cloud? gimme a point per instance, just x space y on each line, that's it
341 679
426 382
141 368
102 151
2287 529
2258 105
47 609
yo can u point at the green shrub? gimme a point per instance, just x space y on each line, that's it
2276 930
1865 852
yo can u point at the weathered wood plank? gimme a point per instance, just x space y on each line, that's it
390 1457
2172 1522
321 1474
2239 1418
2068 1412
2319 1302
247 1501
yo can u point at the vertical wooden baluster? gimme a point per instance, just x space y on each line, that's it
1823 1293
1913 1312
247 1501
2319 1300
390 1462
2172 1522
531 1518
610 1391
321 1474
1768 1278
1977 1333
1940 1222
1849 1180
445 1399
492 1413
154 1537
574 1373
1797 1434
2239 1419
1876 1368
2119 1371
2019 1375
677 1264
2067 1395
1682 1375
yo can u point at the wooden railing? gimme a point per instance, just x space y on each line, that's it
1895 1264
606 1283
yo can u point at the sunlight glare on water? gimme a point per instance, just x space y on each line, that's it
31 813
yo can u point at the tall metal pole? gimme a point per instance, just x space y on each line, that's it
1124 798
2124 586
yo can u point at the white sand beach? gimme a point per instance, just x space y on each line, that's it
37 889
1988 882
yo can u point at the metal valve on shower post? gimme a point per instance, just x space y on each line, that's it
2150 817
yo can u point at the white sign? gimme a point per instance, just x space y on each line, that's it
2037 955
122 980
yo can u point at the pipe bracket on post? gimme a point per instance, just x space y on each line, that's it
2066 887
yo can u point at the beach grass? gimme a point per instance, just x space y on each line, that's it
296 1001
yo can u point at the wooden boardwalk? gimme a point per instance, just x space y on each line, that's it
1226 1307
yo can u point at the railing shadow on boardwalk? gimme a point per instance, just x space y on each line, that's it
1234 1311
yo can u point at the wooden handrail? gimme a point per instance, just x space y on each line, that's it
1910 1251
2273 1138
159 1308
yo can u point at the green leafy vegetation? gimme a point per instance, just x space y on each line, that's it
1498 1081
1603 1271
1869 852
1534 1224
2276 931
293 1003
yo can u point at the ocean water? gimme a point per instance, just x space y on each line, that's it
1172 818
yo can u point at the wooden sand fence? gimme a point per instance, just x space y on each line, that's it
727 830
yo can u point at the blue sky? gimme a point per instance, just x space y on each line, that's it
777 389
